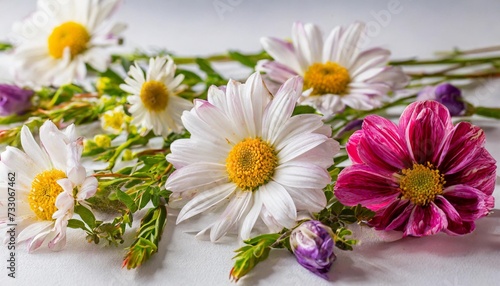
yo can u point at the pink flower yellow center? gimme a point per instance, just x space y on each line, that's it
251 163
154 95
421 184
70 34
327 78
43 194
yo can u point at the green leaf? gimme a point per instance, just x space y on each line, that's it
127 200
243 59
147 238
74 223
190 78
303 109
86 215
248 256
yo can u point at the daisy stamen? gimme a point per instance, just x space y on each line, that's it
70 35
251 163
44 191
327 78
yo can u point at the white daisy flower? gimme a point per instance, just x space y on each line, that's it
73 34
48 178
336 72
246 149
154 101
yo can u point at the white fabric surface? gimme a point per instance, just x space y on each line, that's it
196 28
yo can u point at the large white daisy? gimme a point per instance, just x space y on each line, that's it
335 71
47 179
155 102
247 150
61 37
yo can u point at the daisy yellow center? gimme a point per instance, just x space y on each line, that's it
70 34
251 163
43 194
327 78
421 184
154 95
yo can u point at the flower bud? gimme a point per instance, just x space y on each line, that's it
312 243
14 100
446 94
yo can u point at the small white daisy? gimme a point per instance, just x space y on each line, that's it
47 179
247 149
74 33
335 71
155 104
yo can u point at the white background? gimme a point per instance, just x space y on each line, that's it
419 28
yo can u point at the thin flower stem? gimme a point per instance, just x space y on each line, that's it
477 51
454 76
414 62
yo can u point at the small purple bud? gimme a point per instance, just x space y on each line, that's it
14 100
350 127
446 94
312 243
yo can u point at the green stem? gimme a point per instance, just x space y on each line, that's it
414 62
122 147
491 112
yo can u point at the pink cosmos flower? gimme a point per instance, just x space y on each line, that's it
421 177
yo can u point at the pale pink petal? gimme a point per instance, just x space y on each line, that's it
282 52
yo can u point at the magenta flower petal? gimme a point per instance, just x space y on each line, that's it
479 174
362 185
469 202
414 109
424 135
393 216
352 147
426 220
440 179
462 147
383 138
456 226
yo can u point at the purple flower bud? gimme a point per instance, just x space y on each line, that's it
14 100
446 94
312 243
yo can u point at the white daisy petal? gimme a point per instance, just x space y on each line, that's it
232 214
36 170
196 176
279 203
56 62
32 149
252 216
155 104
205 200
301 175
280 109
238 130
